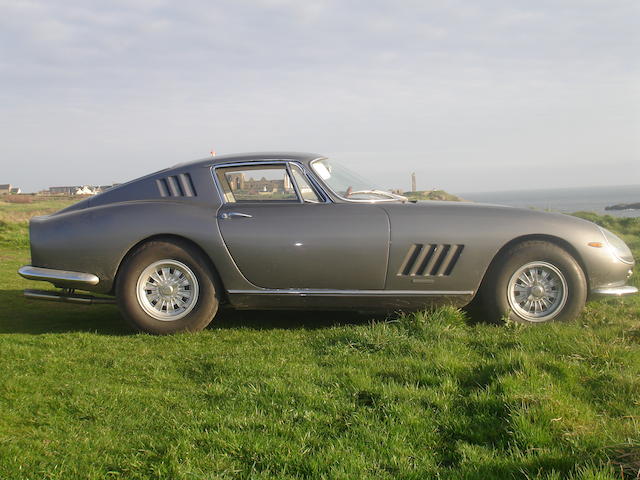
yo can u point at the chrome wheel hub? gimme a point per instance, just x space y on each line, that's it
167 290
537 291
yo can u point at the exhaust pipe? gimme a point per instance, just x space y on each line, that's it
67 296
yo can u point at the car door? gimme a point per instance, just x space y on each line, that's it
282 235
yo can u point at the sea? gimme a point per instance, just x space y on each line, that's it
566 200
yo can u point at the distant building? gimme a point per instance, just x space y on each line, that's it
238 182
8 189
78 190
64 190
86 190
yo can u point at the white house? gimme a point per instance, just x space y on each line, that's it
86 190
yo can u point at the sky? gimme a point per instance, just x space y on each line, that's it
471 96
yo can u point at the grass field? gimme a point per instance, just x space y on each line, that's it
313 395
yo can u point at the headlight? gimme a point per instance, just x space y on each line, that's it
617 246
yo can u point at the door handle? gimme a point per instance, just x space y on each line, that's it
235 215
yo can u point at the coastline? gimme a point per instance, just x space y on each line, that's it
566 200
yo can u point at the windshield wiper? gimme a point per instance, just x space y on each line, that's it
391 196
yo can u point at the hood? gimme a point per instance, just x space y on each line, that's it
489 214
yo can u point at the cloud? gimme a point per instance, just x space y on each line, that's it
113 89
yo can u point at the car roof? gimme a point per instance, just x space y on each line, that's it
250 157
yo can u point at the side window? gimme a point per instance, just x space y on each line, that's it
257 184
307 193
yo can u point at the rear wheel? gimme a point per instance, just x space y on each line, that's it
166 287
535 282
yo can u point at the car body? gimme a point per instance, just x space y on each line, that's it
292 240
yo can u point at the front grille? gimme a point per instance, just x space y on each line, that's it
176 186
425 260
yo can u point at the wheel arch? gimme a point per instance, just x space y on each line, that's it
560 242
175 238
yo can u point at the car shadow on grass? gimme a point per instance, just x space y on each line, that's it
35 317
290 319
39 317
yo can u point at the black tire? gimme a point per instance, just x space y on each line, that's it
201 304
504 293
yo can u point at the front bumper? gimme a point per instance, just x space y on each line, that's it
60 278
616 291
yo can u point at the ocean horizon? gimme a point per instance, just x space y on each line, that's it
565 200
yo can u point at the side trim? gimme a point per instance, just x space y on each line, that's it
616 291
352 293
58 277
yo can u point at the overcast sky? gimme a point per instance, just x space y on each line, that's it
472 96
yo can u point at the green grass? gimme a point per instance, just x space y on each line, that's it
315 395
21 212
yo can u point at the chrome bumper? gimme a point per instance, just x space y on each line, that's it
60 278
616 291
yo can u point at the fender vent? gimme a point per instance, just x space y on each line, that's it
176 186
430 260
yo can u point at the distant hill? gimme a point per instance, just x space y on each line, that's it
432 195
624 206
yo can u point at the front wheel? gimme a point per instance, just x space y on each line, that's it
535 282
166 287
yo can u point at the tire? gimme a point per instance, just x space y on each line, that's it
166 287
534 282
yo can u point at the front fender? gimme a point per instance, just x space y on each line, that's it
481 232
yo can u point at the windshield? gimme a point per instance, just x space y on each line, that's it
349 185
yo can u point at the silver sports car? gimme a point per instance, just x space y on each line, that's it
301 231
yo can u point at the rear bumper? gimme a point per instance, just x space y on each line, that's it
60 278
616 291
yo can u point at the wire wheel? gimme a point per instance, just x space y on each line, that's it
537 291
167 290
